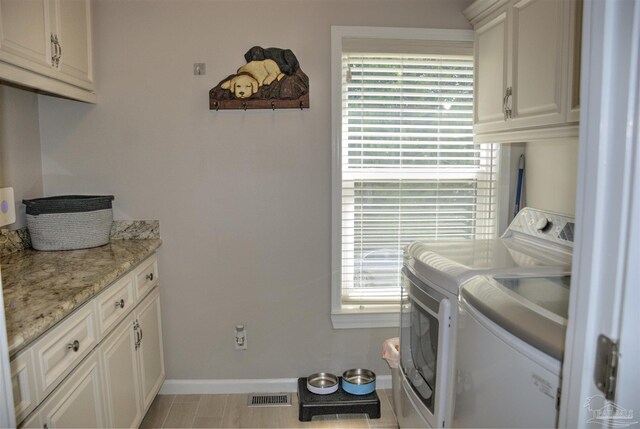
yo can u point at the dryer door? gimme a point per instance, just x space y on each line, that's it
424 342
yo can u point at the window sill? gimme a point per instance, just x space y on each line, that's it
346 319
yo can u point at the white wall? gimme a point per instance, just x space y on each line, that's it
243 198
551 172
20 163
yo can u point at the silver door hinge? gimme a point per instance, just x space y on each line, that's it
606 370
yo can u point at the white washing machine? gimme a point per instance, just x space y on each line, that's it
536 243
510 343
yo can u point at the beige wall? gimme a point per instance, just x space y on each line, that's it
20 164
243 198
551 174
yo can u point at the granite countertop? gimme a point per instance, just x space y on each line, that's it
42 288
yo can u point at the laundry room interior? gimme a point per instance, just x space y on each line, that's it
302 213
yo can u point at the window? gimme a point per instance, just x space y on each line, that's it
405 165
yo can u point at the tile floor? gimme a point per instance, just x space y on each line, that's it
231 411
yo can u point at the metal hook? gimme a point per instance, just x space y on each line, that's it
244 105
273 105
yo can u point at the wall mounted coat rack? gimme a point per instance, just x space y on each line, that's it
271 79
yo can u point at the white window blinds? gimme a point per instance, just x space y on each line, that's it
410 169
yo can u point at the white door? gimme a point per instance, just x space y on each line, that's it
25 36
491 38
71 22
150 353
605 288
539 59
122 387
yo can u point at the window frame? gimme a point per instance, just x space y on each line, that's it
388 316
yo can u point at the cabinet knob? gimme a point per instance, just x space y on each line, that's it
150 277
75 346
120 303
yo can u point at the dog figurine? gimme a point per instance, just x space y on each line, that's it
251 76
242 85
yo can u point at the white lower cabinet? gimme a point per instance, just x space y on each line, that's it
114 385
150 356
77 403
133 363
121 375
23 381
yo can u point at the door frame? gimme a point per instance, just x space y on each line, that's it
607 202
7 412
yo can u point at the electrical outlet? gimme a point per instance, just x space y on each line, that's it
240 337
7 207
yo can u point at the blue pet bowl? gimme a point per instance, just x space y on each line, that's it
359 381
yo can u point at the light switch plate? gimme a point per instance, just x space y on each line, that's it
7 207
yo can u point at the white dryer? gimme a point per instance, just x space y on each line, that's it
510 344
536 243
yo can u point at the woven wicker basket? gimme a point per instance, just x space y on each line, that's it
69 222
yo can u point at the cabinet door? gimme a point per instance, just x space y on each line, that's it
539 60
78 402
122 387
575 46
25 38
23 380
150 353
490 72
33 422
71 20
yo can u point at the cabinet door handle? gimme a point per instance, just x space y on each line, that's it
58 49
135 329
75 346
60 52
141 335
149 277
54 50
120 303
505 103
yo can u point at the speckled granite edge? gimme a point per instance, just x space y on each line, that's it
12 241
41 288
135 230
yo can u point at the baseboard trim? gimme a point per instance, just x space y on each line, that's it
262 385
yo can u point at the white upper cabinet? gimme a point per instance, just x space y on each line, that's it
538 59
490 57
526 69
71 21
24 34
46 45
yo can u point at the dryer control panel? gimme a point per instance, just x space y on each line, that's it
547 226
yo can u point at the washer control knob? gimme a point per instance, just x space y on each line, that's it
542 224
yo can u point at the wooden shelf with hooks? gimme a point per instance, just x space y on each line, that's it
238 104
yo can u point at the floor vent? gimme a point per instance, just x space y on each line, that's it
269 400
